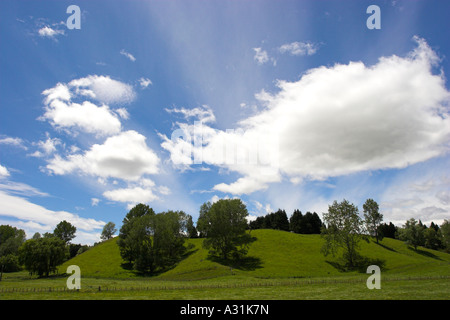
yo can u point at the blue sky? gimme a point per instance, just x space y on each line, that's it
285 104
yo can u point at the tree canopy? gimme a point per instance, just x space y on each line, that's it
344 230
373 218
151 242
108 231
42 256
65 231
224 225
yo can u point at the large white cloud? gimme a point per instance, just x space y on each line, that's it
335 121
103 89
73 106
124 156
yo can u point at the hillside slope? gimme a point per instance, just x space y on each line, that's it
275 254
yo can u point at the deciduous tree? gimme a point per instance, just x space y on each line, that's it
224 226
344 230
373 218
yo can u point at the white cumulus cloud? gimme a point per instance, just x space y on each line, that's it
3 171
335 120
124 156
48 32
64 110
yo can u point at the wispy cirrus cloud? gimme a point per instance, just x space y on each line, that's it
16 142
128 55
261 56
297 48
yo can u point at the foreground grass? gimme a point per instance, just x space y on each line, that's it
237 289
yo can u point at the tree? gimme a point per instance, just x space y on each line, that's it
108 231
387 230
150 241
191 229
204 209
281 221
445 232
168 238
65 231
42 256
309 223
258 223
372 218
432 238
135 232
295 222
224 226
413 233
344 230
11 239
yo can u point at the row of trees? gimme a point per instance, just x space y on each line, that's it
308 223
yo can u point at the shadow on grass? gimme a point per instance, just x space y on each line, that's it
425 253
361 264
244 264
129 266
385 247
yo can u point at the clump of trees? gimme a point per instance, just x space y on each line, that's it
152 242
42 255
11 239
275 220
224 224
416 234
308 223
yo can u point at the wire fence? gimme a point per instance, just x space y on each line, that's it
292 282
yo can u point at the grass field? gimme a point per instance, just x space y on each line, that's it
280 265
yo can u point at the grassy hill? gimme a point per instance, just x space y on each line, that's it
275 254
